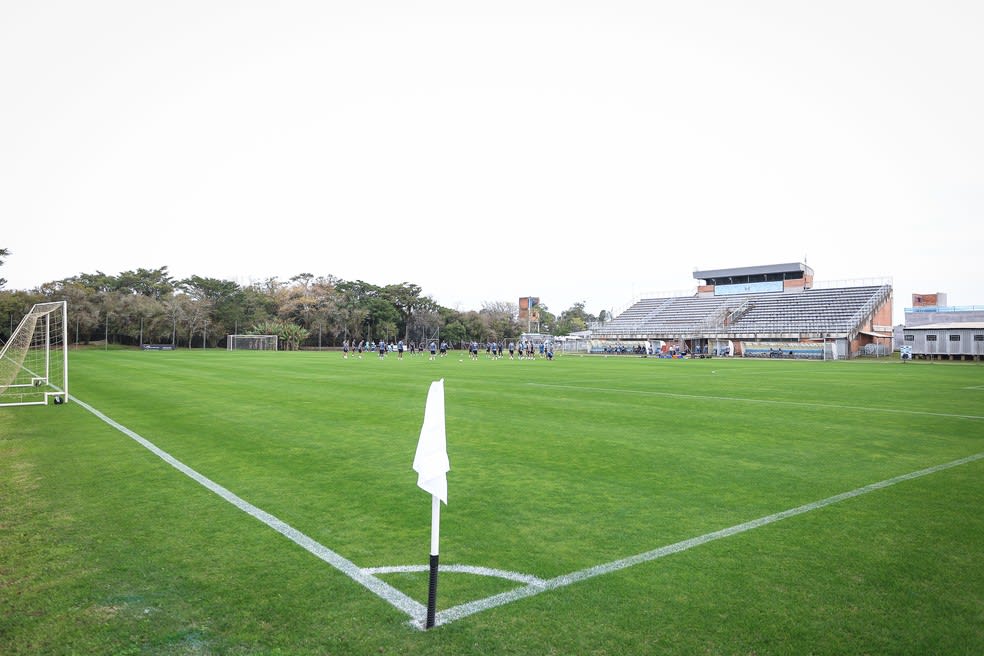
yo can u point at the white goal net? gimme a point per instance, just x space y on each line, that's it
251 342
34 361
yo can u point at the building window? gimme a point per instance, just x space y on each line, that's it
930 338
912 338
954 338
979 338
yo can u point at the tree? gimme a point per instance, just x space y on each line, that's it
13 306
454 332
189 314
97 282
572 320
3 253
154 283
84 307
327 307
426 322
476 329
149 303
405 297
289 335
216 301
381 315
500 320
544 321
253 306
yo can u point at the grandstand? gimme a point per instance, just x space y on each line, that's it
768 310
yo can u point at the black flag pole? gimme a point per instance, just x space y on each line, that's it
434 557
432 593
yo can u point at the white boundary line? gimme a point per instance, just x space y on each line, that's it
534 585
739 399
382 589
464 610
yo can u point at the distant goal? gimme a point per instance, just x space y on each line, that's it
251 342
34 361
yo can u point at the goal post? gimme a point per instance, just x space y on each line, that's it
251 342
34 361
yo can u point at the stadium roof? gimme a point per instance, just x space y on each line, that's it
753 271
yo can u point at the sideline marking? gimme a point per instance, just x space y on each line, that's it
382 589
806 404
464 610
534 585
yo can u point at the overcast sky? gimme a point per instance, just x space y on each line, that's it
575 151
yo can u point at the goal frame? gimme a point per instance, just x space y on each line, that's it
264 342
34 367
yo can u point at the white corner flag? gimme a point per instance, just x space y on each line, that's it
432 465
431 461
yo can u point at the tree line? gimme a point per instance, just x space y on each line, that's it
149 306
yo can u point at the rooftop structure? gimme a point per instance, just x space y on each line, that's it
793 276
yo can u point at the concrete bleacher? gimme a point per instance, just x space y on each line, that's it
837 311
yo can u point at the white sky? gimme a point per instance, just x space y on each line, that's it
576 151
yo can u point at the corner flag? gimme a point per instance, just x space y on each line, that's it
432 465
431 460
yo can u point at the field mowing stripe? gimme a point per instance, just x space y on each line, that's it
382 589
805 404
534 585
470 608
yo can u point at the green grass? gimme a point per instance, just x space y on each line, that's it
556 467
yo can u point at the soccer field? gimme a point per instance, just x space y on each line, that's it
213 502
